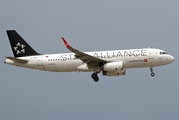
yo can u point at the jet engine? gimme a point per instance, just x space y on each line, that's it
114 69
114 73
113 66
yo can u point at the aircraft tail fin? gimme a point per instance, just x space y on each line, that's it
19 46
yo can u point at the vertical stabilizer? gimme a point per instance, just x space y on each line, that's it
19 46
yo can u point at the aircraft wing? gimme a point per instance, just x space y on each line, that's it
90 60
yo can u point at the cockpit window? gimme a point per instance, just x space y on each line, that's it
162 53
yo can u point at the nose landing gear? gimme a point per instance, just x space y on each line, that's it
152 73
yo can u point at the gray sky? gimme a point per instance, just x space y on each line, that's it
90 25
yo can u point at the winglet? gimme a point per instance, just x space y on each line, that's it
65 42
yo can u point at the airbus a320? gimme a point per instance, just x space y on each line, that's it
109 63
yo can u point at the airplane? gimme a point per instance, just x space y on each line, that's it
110 63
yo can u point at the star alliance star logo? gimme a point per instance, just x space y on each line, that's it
19 48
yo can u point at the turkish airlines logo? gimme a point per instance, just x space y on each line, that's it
19 48
145 60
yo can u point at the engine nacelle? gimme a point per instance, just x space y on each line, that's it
114 73
114 69
113 66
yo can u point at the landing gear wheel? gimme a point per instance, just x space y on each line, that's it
152 74
95 77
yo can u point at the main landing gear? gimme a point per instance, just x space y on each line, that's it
95 77
95 74
152 73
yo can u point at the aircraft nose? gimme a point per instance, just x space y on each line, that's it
171 58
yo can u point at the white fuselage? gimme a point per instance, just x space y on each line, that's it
66 62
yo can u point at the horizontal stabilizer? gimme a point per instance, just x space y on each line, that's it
17 60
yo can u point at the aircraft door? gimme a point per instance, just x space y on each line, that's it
151 53
40 61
